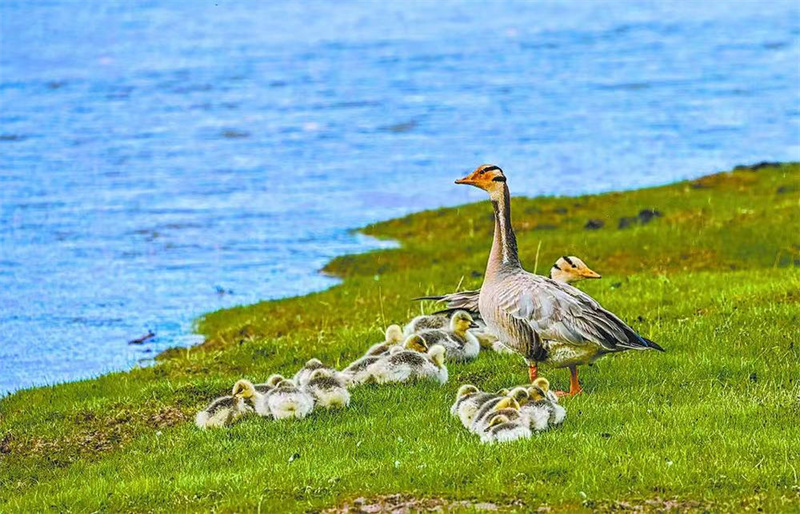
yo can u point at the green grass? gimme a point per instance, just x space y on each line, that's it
711 425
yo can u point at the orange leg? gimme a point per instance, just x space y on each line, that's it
574 385
533 371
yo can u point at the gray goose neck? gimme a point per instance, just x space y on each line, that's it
504 246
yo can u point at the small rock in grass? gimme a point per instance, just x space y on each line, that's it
594 224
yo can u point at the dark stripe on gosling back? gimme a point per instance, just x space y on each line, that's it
568 260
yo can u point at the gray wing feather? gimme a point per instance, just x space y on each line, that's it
560 312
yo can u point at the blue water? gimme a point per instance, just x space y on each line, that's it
162 159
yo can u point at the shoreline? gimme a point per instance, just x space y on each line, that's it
712 280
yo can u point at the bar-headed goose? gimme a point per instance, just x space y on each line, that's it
543 320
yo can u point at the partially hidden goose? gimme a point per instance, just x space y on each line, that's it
539 318
567 269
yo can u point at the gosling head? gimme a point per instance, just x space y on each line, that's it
436 353
538 389
520 394
394 334
415 343
461 322
488 177
466 390
507 403
243 389
274 379
314 364
320 373
498 420
571 269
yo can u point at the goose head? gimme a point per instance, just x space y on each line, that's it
488 177
466 390
461 322
415 343
394 334
570 269
243 389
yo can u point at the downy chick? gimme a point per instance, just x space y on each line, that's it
503 429
328 391
286 400
222 412
541 405
254 396
468 400
508 408
409 364
460 344
304 374
426 322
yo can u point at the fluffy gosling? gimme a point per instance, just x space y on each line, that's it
328 391
540 404
286 400
426 322
503 429
460 344
302 377
409 364
509 410
254 396
468 400
222 412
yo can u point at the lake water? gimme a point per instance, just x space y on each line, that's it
162 159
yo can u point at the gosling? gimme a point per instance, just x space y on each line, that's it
254 396
302 377
223 411
507 407
410 364
468 400
328 391
540 404
286 400
503 428
460 344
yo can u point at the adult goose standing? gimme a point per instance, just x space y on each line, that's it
543 320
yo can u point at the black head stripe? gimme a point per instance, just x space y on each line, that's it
556 266
568 260
499 178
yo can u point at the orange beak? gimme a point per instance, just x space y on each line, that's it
465 180
587 273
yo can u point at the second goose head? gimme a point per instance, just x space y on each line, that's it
570 269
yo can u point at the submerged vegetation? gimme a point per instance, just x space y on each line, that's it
707 268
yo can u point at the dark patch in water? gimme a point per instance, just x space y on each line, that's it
400 127
235 134
12 137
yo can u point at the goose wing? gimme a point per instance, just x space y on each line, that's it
560 312
460 301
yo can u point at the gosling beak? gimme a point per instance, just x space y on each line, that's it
587 273
472 324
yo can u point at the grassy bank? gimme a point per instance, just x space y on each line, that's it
710 425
